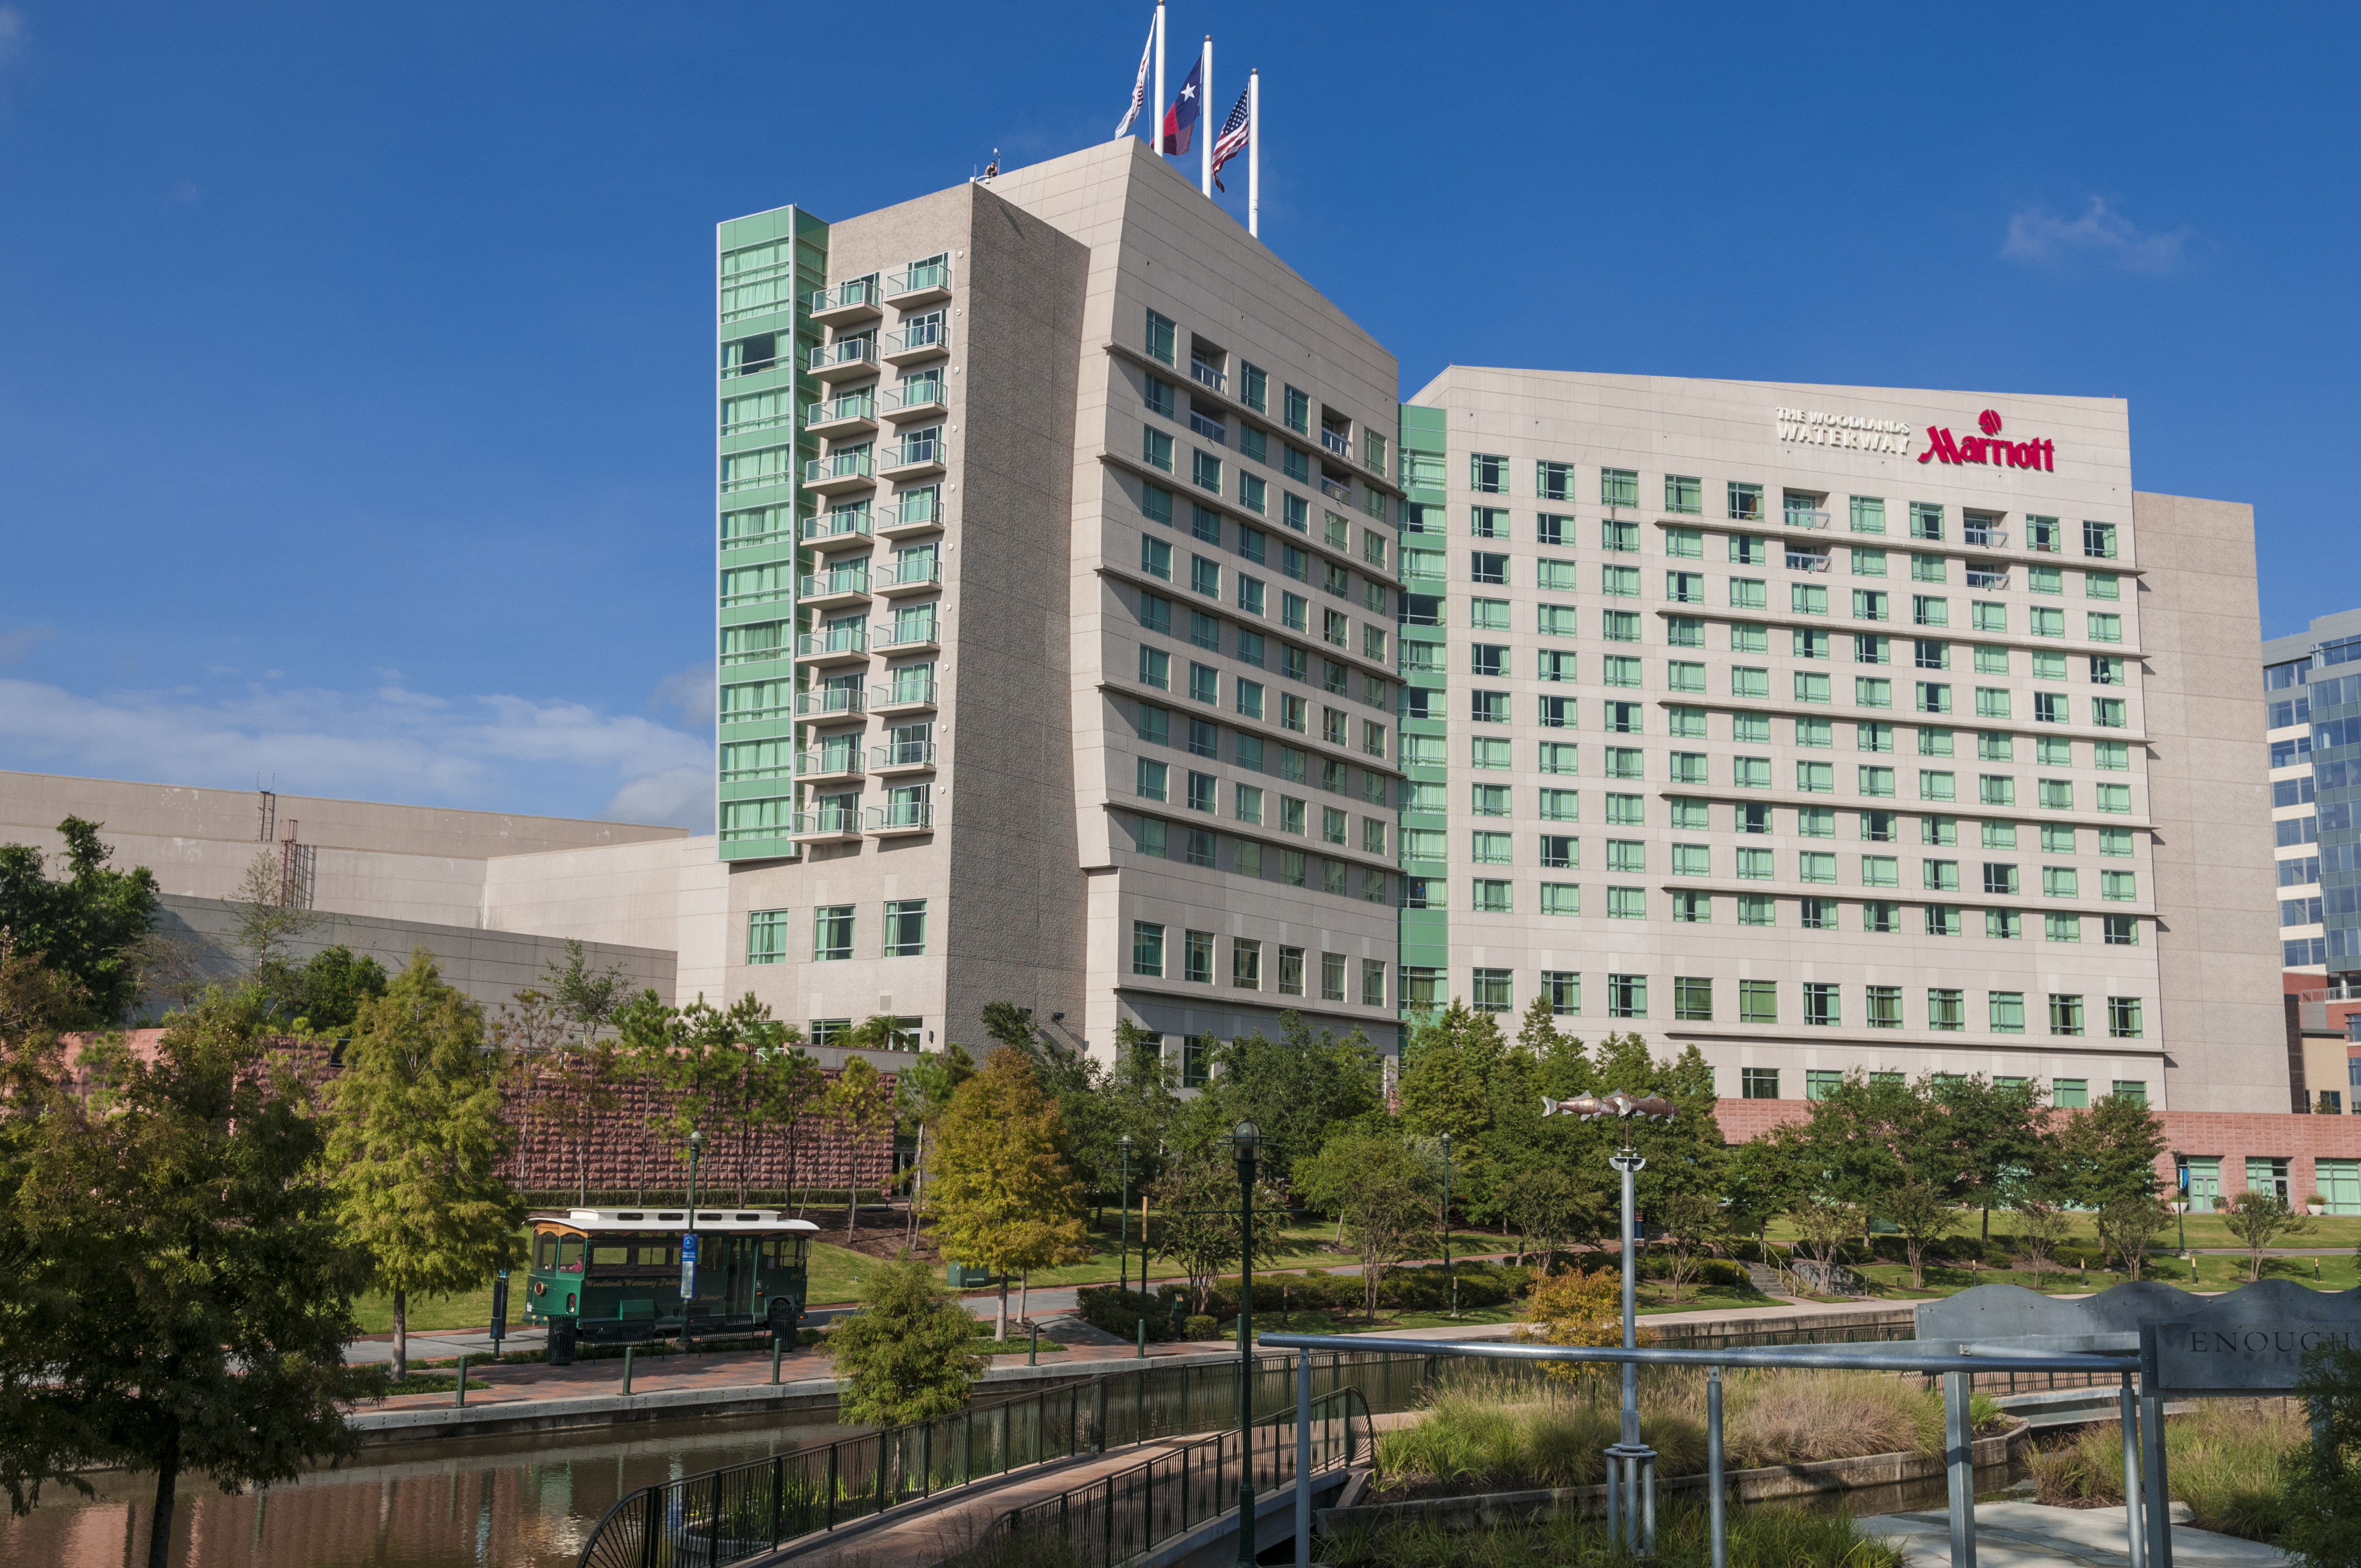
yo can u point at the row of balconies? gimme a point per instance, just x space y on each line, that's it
851 702
862 354
846 821
857 299
849 413
843 584
912 458
905 757
852 644
914 513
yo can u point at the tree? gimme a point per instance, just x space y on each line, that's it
1924 1214
179 1296
1003 1194
2108 1153
417 1144
1822 1226
1297 1089
564 1037
1445 1086
1998 1130
1577 1307
87 925
2319 1500
922 1092
1886 1147
904 1356
2258 1217
2042 1225
1197 1206
862 1103
1545 1201
2127 1225
1385 1195
264 913
589 997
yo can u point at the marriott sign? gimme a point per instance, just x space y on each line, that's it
1990 447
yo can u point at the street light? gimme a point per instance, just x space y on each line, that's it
688 1246
1635 1459
1245 1142
1447 1226
1122 1247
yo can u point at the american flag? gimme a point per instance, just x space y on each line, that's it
1236 131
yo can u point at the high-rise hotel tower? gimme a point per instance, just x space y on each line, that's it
1099 631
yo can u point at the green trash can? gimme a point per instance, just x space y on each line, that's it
967 1276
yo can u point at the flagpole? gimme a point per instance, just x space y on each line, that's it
1254 152
1155 109
1205 123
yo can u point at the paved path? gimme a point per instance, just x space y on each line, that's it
2029 1535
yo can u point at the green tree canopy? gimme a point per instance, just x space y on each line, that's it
2108 1153
417 1144
1384 1192
1004 1196
87 924
904 1356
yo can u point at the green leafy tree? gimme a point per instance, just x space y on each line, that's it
1385 1194
2109 1152
2320 1481
922 1093
1297 1089
2040 1226
862 1103
2000 1134
417 1147
265 917
1445 1085
2127 1225
336 981
1196 1200
2258 1217
177 1295
1003 1194
88 924
904 1356
1884 1147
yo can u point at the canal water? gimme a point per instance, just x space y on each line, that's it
519 1502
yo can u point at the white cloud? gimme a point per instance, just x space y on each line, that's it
391 744
689 690
2037 236
679 797
16 646
11 32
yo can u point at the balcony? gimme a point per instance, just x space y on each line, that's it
920 285
845 359
830 763
846 416
841 587
1336 441
1205 375
1213 430
1986 577
1807 560
914 817
913 457
901 696
840 471
828 822
853 300
833 645
1799 517
1335 491
915 400
915 638
850 522
1984 538
915 512
902 757
920 340
822 702
911 577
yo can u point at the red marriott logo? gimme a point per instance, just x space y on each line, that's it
1988 447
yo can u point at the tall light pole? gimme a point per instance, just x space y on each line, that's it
1635 1459
1245 1142
688 1246
1447 1226
1123 1253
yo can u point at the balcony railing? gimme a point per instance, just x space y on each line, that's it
853 292
1977 534
834 410
1206 375
822 764
1806 560
1211 429
1334 491
822 700
828 819
833 640
926 394
911 573
903 754
913 451
918 508
848 523
839 465
898 693
907 817
1340 444
845 351
919 337
1977 579
821 585
914 634
1799 517
918 280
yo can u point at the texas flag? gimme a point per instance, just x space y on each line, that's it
1181 119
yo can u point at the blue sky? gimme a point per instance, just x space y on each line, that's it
354 364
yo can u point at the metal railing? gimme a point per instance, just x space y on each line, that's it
922 507
1206 375
1986 579
835 639
905 636
1211 429
919 337
828 699
837 466
719 1517
1340 444
903 754
828 819
1114 1517
933 275
853 405
906 574
901 692
1800 519
851 291
1334 491
1804 561
912 450
850 522
926 394
843 759
859 350
1990 538
821 586
911 817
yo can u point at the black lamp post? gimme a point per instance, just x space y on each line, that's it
1447 1226
1245 1142
688 1254
1122 1247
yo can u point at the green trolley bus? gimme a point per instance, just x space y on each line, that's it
614 1276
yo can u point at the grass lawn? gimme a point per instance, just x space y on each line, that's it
1654 1302
2204 1230
2215 1272
836 1271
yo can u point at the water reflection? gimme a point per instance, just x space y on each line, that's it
521 1502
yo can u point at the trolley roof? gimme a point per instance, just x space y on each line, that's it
593 1220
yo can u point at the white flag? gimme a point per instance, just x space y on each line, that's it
1140 88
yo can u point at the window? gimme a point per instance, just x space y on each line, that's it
1618 486
1487 474
1683 494
1816 778
2099 539
1246 964
2124 1019
1925 521
1868 514
1758 1082
1819 1082
1491 849
1687 544
2007 1013
1687 587
2118 887
1560 851
2065 1015
1884 1006
1745 502
1160 396
1491 896
1159 337
1620 582
1488 566
1197 957
2104 628
1155 449
1811 687
1626 903
1490 991
1746 682
1816 865
1488 707
766 936
1693 1000
832 932
1747 593
905 928
1945 1009
1879 870
2000 878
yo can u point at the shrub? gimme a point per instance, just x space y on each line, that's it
1200 1326
1119 1312
2223 1459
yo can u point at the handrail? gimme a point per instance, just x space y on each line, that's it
1117 1517
719 1517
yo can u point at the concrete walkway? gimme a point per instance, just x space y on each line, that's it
2029 1535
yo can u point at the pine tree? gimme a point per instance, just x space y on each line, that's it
418 1144
1003 1194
